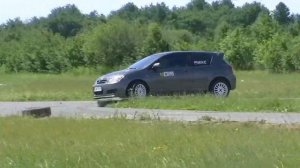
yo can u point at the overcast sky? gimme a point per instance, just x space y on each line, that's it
26 9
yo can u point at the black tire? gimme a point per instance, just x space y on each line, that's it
220 88
138 90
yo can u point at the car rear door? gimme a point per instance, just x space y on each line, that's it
199 71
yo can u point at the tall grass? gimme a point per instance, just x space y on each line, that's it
26 142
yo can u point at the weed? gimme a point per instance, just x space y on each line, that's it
207 118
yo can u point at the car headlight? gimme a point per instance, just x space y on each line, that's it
114 79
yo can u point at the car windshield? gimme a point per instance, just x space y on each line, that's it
145 62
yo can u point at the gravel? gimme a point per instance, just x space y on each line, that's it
89 109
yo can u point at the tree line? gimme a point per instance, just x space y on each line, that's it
251 36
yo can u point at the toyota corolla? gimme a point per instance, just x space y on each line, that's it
169 72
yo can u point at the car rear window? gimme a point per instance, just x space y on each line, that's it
200 59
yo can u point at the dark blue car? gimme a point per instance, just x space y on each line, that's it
169 72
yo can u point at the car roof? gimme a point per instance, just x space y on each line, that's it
204 52
218 55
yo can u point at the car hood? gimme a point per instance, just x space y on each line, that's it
122 72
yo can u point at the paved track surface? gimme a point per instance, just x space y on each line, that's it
89 109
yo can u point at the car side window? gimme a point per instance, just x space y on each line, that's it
173 60
200 59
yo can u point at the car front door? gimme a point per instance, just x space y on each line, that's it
171 74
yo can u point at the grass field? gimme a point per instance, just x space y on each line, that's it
38 87
256 91
26 142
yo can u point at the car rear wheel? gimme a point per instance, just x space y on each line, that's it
220 88
138 90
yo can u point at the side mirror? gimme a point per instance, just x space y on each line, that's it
156 66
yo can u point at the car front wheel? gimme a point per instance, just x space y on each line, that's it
138 90
220 88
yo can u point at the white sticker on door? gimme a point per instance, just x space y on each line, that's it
200 62
167 74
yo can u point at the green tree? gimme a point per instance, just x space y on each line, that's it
222 3
13 30
264 28
76 54
192 21
11 56
67 20
272 54
222 30
37 51
282 14
67 38
128 12
238 49
248 13
114 43
158 13
155 41
197 4
179 39
294 54
294 28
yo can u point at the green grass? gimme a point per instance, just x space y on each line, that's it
26 142
256 91
37 87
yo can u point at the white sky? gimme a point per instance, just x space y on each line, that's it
26 9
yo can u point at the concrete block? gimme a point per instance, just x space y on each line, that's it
37 112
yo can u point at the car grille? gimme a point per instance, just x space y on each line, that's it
98 93
101 81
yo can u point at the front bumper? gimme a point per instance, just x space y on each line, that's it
110 91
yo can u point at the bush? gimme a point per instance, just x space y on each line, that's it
238 49
36 51
294 54
155 41
273 55
114 43
179 39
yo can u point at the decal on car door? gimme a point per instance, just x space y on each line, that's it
200 62
167 74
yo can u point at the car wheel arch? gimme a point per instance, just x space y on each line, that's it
219 78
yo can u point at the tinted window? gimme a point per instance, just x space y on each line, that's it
200 59
174 60
145 62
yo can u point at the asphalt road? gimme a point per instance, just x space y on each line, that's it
89 109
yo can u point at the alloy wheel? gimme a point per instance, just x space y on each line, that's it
221 89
